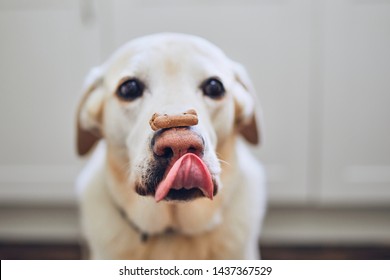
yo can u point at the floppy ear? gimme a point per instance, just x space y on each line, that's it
89 113
248 111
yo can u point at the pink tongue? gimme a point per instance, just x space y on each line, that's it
188 172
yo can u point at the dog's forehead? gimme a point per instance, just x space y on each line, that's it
171 45
167 51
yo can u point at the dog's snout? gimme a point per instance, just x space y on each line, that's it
175 142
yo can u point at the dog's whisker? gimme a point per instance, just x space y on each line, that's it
224 162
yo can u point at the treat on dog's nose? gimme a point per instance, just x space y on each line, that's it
188 118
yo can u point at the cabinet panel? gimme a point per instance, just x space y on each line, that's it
356 115
271 38
45 52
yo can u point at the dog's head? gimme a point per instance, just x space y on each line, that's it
166 105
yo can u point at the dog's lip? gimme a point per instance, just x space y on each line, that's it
188 172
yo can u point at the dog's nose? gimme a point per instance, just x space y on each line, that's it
175 142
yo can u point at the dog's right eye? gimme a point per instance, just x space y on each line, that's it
130 90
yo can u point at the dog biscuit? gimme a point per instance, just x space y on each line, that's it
188 118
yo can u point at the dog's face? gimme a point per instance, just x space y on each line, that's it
169 76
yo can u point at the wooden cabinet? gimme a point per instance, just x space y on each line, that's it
355 132
321 69
46 49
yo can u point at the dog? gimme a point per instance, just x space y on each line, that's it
169 117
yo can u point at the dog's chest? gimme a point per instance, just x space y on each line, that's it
211 245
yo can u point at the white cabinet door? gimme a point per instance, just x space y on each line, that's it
45 51
356 103
271 38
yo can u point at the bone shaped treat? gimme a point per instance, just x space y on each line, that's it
188 118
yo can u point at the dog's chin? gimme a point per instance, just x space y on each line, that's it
179 195
183 194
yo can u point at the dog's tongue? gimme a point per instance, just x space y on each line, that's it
187 172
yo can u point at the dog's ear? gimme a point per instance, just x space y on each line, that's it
247 108
89 112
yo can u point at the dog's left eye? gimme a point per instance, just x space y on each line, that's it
213 88
130 90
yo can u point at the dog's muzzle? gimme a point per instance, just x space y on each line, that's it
178 172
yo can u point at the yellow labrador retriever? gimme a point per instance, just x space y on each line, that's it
173 178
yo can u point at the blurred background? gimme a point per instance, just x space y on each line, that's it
322 72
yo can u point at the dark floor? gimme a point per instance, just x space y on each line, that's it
17 251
